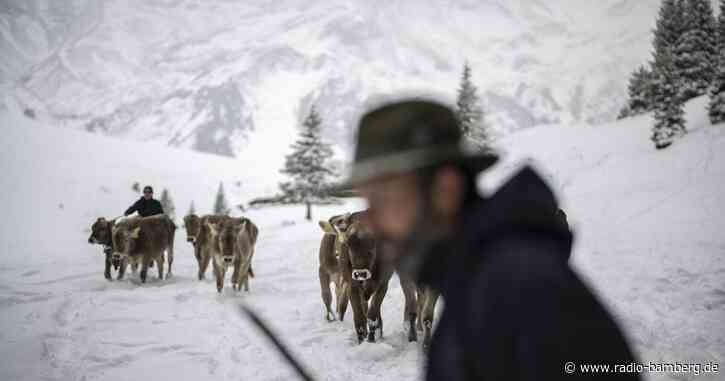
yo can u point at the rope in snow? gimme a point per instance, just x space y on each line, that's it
277 343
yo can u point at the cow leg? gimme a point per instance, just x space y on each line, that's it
205 259
324 277
122 269
169 255
107 270
219 274
246 280
170 261
358 314
411 307
145 263
375 320
343 298
431 298
134 267
160 264
237 276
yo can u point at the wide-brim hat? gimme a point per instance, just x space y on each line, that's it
409 135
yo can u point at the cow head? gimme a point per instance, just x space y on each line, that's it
125 241
353 231
101 232
362 250
224 237
337 225
192 225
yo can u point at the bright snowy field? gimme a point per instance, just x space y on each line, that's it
650 239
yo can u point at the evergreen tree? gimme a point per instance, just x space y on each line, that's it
720 35
695 51
192 209
469 113
716 107
668 113
168 204
308 165
220 202
669 27
640 93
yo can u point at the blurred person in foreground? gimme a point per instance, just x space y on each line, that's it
514 308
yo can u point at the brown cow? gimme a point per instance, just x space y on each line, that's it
419 303
142 240
329 270
231 244
367 274
101 234
198 233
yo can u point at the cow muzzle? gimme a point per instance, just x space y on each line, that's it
191 239
227 259
361 274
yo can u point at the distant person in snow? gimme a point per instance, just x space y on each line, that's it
514 308
146 205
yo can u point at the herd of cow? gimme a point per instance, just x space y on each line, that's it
350 258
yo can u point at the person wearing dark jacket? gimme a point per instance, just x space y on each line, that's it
514 308
146 205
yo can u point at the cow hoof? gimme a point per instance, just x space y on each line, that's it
169 275
412 338
330 317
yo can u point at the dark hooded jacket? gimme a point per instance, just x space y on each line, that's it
514 309
145 208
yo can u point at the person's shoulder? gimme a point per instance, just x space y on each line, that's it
526 258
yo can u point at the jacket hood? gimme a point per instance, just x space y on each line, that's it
523 208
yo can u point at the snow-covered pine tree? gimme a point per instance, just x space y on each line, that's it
669 27
640 93
192 209
308 165
168 204
221 207
720 35
695 51
469 113
716 106
667 103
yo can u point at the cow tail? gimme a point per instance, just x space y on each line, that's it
251 272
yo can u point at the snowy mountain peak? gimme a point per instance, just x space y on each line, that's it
203 74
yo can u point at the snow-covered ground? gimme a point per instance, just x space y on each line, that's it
649 231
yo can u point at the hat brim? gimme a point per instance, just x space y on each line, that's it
412 160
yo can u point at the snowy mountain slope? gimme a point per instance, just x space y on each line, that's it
220 76
648 239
